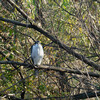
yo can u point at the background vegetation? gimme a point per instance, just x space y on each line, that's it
69 31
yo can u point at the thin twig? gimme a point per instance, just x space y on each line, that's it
16 83
20 11
26 35
64 9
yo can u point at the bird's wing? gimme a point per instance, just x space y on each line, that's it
31 49
32 53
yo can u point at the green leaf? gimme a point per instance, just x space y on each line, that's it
11 56
34 2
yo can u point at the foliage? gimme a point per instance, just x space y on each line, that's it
74 22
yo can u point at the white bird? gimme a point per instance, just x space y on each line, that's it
37 53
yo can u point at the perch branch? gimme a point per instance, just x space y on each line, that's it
59 69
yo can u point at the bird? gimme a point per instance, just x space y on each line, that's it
37 54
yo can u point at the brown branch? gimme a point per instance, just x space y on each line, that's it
97 1
64 9
20 10
13 64
59 69
55 40
13 22
8 97
16 83
74 97
26 35
84 95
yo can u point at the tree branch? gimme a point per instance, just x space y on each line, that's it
13 62
20 11
74 97
84 95
97 1
59 69
13 22
16 83
64 9
55 40
26 35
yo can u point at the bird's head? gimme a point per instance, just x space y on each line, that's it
37 42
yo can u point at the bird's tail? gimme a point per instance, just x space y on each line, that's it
36 72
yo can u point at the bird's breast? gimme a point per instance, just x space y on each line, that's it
40 50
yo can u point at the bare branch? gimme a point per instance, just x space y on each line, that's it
20 10
59 69
97 1
26 35
13 62
64 9
9 97
55 40
84 95
23 91
13 22
16 83
74 97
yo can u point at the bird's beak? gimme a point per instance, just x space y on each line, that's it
39 42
